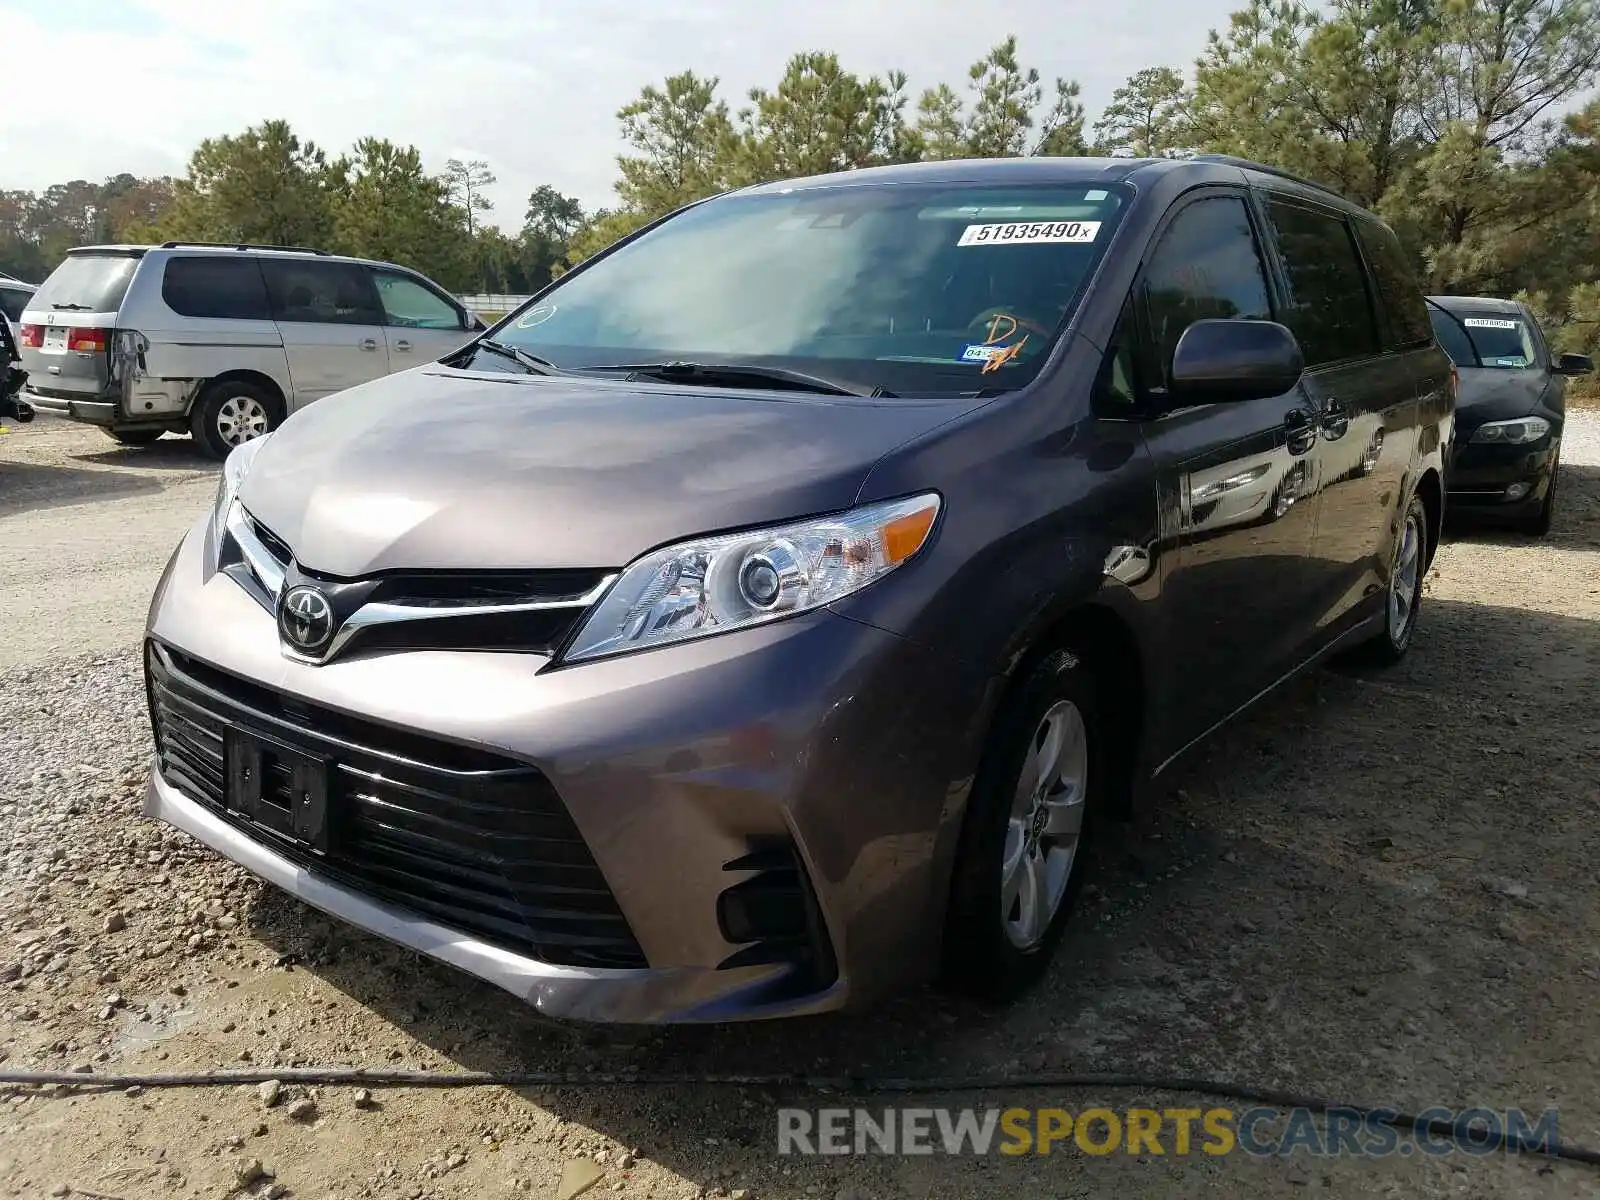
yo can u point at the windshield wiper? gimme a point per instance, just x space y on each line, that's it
735 374
72 307
534 364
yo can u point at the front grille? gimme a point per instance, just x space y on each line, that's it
466 837
454 594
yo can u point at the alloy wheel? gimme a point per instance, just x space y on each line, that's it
1046 824
240 419
1404 581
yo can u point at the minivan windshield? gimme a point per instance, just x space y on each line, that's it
899 288
93 283
1481 339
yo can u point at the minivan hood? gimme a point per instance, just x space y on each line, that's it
444 469
1490 394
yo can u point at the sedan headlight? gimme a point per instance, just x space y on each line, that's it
234 469
734 580
1511 433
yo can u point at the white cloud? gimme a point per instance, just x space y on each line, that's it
533 88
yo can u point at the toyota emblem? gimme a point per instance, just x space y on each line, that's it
305 619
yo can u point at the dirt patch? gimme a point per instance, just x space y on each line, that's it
1379 887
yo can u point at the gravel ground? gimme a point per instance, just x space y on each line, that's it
1378 887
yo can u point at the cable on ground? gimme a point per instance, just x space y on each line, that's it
1461 1132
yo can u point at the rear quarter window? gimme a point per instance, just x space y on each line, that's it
1329 309
87 283
215 286
1405 311
13 300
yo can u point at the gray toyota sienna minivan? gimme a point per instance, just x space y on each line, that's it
767 613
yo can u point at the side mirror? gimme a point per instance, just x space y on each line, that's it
1574 364
1224 360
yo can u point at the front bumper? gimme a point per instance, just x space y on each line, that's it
1482 476
843 742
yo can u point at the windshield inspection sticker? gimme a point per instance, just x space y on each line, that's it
1487 323
1026 233
982 353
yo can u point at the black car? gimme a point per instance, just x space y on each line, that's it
758 618
1510 408
12 377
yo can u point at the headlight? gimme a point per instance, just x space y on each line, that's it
1512 433
734 580
234 469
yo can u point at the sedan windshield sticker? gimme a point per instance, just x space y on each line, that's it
1488 323
1027 233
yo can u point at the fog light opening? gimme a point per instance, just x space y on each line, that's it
1518 490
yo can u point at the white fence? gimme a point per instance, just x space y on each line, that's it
490 302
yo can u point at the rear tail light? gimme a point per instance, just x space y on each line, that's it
33 335
1455 382
88 341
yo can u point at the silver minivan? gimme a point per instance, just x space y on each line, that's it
222 341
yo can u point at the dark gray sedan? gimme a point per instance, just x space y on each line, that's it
1510 408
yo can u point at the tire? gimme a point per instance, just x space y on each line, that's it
1539 524
1402 600
134 437
230 412
992 949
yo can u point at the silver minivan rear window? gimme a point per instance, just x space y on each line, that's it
86 283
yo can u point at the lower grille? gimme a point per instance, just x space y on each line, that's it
468 838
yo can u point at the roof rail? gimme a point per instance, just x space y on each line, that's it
244 246
1248 164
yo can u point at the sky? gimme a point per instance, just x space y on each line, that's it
531 86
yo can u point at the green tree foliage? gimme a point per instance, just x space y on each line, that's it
1061 130
820 118
1147 116
681 136
1004 98
547 232
386 206
263 185
466 181
939 123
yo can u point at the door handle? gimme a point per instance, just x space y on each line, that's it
402 344
369 343
1300 429
1335 420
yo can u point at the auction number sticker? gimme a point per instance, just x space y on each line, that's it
1488 323
1025 233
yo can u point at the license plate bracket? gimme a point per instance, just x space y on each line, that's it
55 339
278 786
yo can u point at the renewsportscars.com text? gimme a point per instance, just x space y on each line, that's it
1260 1132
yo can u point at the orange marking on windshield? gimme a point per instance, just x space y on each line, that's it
1006 354
994 327
996 337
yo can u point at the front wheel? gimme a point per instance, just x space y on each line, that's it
230 413
1402 598
1020 863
